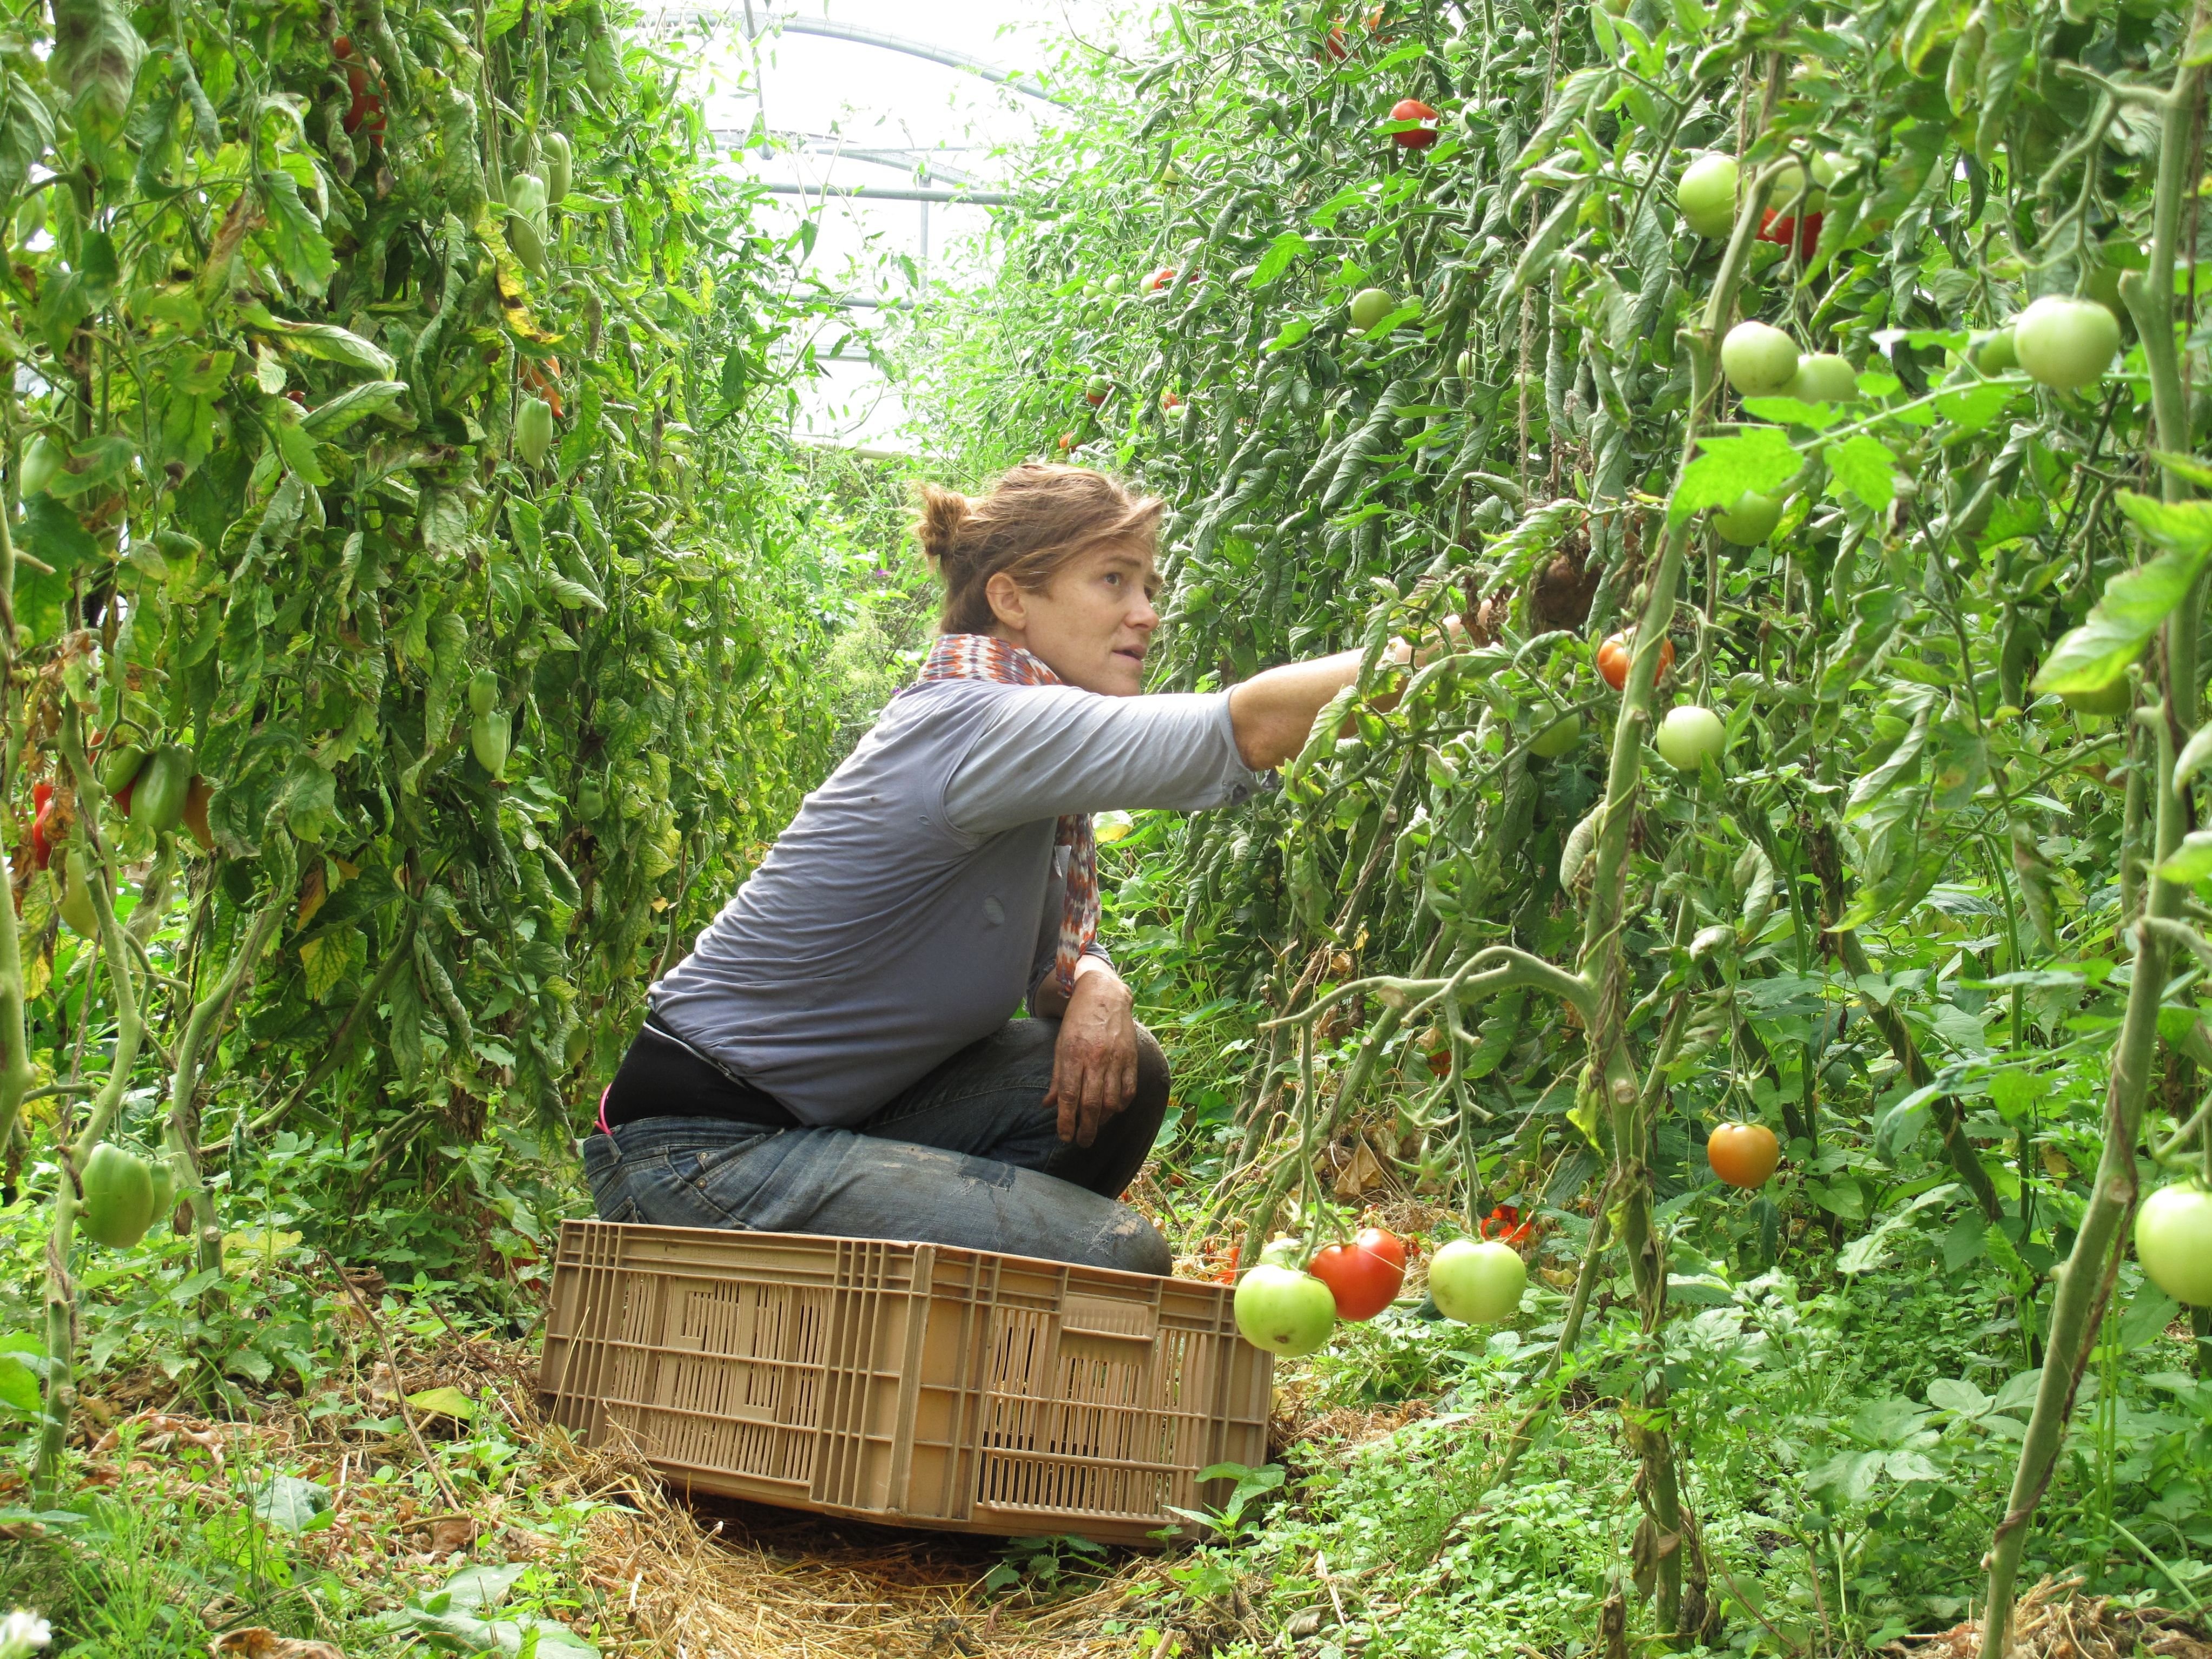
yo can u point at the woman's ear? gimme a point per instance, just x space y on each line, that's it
1007 600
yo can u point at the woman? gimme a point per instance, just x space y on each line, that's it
843 1051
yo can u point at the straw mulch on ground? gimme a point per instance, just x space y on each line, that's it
2053 1621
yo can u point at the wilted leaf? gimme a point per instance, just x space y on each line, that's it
287 1501
258 1642
96 53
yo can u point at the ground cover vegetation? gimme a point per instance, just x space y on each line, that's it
1779 914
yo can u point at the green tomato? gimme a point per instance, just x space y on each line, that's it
489 736
76 908
1284 1311
1782 195
1690 736
1370 306
159 793
1994 353
2173 1241
1478 1284
527 195
533 431
118 767
2114 699
1823 377
560 166
119 1196
2064 344
1558 738
42 458
1464 368
1706 194
1831 165
1758 360
1750 521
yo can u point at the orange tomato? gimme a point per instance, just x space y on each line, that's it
1743 1154
1613 656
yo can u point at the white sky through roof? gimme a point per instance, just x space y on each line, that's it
844 114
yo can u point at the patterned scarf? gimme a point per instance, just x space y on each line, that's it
984 657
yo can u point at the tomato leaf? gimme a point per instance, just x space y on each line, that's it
2136 602
324 340
1759 457
2191 861
1971 408
1277 259
1863 466
1792 412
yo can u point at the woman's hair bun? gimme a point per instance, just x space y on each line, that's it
943 514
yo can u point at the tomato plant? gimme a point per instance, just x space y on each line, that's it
305 486
1900 559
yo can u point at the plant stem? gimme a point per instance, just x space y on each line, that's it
130 1030
181 1137
2084 1282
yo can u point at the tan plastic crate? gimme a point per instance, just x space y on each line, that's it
911 1383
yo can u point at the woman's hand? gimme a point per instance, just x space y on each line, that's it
1272 712
1094 1064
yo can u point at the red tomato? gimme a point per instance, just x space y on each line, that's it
1363 1276
1413 109
1336 46
1613 659
1159 279
1383 1243
1743 1154
1067 442
1169 402
367 109
42 813
1777 230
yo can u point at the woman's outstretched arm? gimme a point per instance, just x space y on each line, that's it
1272 712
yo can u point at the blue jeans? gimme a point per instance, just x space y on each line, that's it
969 1156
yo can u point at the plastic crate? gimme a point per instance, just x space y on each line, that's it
917 1384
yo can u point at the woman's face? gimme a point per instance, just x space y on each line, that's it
1092 623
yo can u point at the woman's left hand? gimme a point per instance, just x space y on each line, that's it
1094 1064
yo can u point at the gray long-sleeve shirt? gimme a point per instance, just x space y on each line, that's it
916 900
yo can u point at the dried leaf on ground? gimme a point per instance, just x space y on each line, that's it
259 1644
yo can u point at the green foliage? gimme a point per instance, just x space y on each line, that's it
1898 921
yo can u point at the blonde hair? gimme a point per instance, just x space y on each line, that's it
1035 520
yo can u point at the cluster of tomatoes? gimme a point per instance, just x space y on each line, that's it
1290 1303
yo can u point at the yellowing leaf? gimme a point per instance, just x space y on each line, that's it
444 1402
